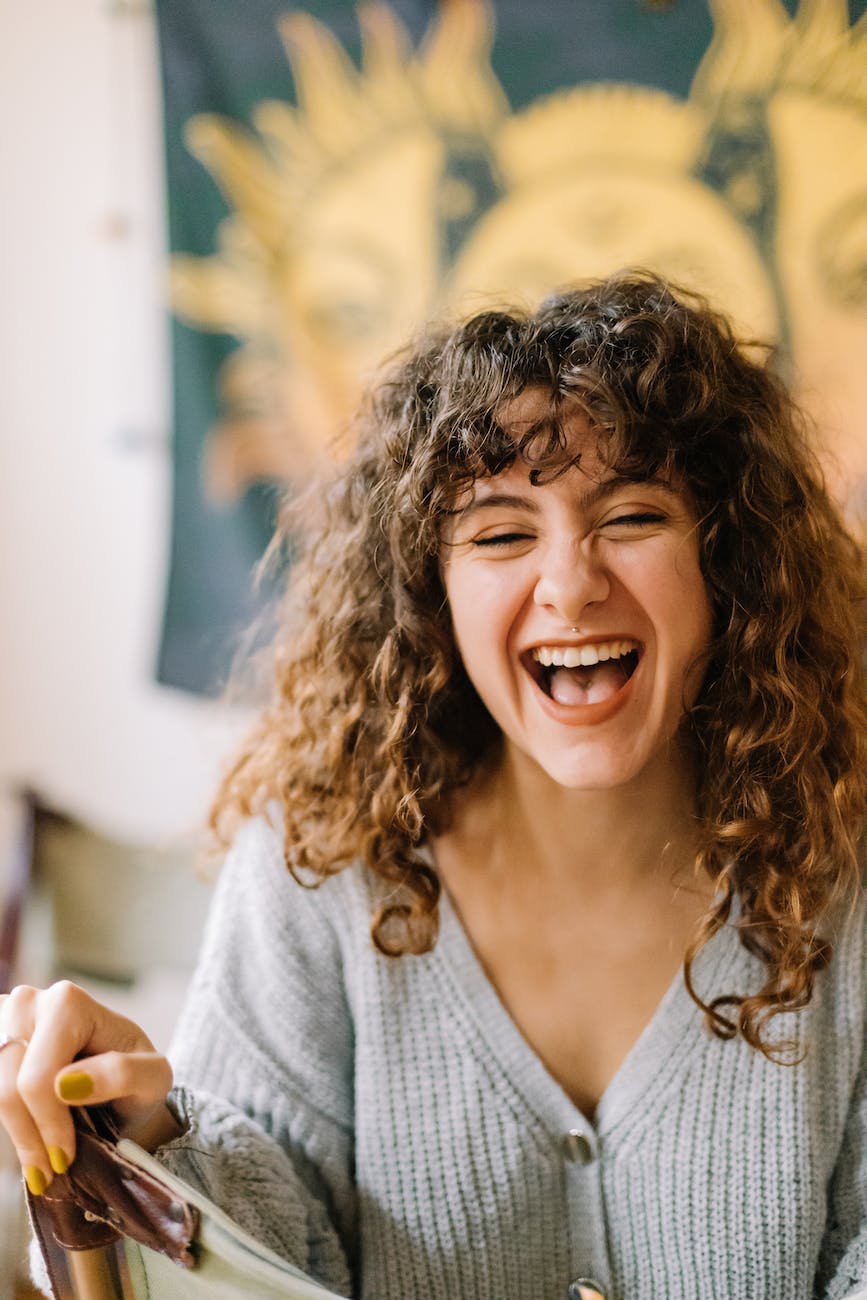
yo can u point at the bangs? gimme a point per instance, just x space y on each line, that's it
660 398
620 441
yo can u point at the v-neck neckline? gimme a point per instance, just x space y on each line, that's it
653 1063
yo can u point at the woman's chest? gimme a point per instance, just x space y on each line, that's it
581 1010
705 1173
706 1169
580 988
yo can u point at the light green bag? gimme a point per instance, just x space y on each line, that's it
119 1226
229 1262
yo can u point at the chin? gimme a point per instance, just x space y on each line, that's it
617 770
590 773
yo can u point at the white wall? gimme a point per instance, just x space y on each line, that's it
84 421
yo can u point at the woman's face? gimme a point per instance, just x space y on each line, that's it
580 612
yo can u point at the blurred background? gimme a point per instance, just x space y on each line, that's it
85 438
216 219
85 504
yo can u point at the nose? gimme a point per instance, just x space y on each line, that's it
570 578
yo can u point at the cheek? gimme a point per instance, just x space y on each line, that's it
482 605
692 620
685 582
676 598
483 613
697 601
460 604
472 631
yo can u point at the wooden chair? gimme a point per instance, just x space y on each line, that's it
83 905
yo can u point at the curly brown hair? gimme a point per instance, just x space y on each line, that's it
373 723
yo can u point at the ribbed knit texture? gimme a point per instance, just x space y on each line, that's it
407 1143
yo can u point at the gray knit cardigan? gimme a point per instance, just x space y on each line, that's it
383 1124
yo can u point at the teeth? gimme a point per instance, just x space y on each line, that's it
558 656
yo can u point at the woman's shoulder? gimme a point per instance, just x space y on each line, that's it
841 989
265 929
256 873
848 936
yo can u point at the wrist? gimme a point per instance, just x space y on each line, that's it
160 1127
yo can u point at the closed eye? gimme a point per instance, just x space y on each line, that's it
638 520
501 539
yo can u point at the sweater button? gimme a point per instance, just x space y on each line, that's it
584 1288
577 1148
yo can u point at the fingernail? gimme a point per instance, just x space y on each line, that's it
59 1159
35 1179
75 1086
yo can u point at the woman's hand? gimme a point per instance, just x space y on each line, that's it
69 1049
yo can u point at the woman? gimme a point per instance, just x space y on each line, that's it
566 703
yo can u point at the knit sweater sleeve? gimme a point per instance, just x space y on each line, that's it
262 1056
842 1269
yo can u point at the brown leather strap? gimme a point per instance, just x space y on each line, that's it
77 1275
104 1197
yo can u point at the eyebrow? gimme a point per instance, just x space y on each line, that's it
598 492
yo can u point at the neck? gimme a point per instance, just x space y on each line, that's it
596 841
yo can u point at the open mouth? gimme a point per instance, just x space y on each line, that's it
581 675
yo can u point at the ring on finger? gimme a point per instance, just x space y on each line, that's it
6 1040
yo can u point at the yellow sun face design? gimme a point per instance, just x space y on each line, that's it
404 188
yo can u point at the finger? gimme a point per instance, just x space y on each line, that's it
16 1011
61 1022
68 1024
16 1022
19 1123
134 1082
69 1015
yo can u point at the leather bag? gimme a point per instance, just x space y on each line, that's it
117 1226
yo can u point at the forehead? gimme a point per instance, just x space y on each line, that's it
538 438
533 412
583 465
535 406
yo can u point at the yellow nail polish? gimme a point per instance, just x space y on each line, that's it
75 1086
36 1180
59 1159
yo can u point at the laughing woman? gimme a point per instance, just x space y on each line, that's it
537 968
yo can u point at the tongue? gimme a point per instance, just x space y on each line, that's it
586 685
